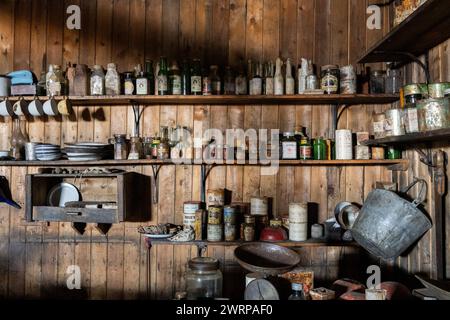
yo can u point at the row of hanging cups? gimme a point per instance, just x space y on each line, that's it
35 107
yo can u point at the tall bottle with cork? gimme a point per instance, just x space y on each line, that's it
290 82
278 80
162 77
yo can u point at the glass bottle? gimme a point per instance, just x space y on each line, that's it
18 140
129 83
269 80
206 83
112 80
393 81
120 147
229 81
174 79
53 81
278 79
305 149
289 146
97 81
320 149
256 82
216 84
162 77
185 78
196 78
155 144
241 81
142 84
150 75
135 148
297 292
290 82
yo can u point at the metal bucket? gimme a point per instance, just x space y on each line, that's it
388 224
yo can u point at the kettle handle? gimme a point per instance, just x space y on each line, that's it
422 192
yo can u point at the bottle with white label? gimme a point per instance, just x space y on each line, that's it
290 82
174 79
289 146
278 79
196 78
162 77
301 77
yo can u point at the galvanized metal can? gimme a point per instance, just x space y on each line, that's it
230 232
230 215
344 145
362 152
259 206
215 215
214 232
394 123
437 90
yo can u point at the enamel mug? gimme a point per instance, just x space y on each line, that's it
6 108
65 107
20 107
5 86
51 107
35 108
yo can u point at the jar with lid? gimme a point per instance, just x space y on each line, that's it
147 147
412 93
377 81
129 83
120 147
97 81
330 75
393 81
203 279
305 149
135 148
288 146
112 80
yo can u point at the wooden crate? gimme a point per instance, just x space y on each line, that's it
130 190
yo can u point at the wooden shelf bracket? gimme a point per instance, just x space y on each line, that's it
155 182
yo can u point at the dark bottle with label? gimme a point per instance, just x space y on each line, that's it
174 79
163 77
206 83
216 84
185 78
229 84
196 78
150 75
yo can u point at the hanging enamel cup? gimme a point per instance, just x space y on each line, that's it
51 107
65 107
6 108
36 108
20 107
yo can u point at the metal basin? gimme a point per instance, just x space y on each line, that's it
267 258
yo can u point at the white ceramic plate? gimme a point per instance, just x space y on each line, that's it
157 236
62 193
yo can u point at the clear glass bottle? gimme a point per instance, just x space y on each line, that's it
174 79
18 140
185 78
393 81
53 80
97 81
162 77
120 147
135 148
241 81
278 79
203 279
297 292
290 82
256 81
377 81
112 80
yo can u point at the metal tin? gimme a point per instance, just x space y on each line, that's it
230 215
344 145
214 232
411 120
437 90
412 89
362 152
191 206
189 220
230 232
317 231
378 120
215 215
298 221
259 206
378 153
361 137
394 123
248 232
433 114
249 219
200 223
215 197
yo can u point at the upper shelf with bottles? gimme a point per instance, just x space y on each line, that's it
424 29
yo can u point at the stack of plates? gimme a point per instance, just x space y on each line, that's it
47 152
86 151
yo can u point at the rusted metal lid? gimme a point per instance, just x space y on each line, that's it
204 264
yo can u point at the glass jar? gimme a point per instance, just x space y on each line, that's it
163 151
129 83
135 148
393 81
112 80
330 75
147 148
120 147
377 81
97 81
305 149
54 81
203 279
289 146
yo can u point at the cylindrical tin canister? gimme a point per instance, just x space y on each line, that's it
199 225
433 114
215 197
411 120
362 152
344 146
437 90
189 209
298 221
317 231
214 232
230 232
378 153
215 215
259 206
378 120
394 123
248 232
230 215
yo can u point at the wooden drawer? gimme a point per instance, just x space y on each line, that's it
75 215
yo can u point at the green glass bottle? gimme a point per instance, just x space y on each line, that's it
320 149
162 77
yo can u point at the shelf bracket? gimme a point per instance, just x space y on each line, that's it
155 184
79 227
415 59
103 227
426 157
206 170
201 248
336 113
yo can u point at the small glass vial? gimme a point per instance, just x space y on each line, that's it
112 80
97 81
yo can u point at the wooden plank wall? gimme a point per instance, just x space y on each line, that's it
34 257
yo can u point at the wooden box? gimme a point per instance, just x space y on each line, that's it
130 191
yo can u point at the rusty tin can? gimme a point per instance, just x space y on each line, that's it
230 232
378 153
230 215
200 224
215 197
248 231
215 215
214 232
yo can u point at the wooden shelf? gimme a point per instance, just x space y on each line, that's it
424 29
324 99
112 163
308 243
441 135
